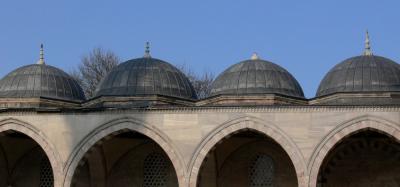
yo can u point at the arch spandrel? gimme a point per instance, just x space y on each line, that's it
243 124
343 131
40 138
118 126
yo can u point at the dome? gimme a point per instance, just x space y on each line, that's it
364 73
256 76
146 76
40 80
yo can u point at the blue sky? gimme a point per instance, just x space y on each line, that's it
305 37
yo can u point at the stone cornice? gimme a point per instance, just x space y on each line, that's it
344 95
104 100
219 109
255 99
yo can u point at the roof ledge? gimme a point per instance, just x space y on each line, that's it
251 100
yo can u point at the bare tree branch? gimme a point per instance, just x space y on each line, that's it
94 66
201 83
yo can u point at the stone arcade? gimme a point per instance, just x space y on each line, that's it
145 127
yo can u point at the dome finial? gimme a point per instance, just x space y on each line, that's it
41 59
254 56
367 50
147 50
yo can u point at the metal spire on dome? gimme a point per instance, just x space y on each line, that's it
255 57
41 59
147 50
367 50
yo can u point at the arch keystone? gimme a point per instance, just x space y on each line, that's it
121 125
344 130
40 138
247 123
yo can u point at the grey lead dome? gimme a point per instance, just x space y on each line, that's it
40 80
366 73
146 76
256 76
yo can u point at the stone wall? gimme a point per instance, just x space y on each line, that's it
186 135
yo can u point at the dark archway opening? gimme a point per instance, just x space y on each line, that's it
367 158
125 159
247 158
23 162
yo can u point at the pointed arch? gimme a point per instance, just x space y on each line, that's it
118 126
344 130
243 124
40 138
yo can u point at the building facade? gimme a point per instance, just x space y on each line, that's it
146 127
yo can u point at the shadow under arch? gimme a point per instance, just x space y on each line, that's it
346 129
117 126
39 137
242 124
